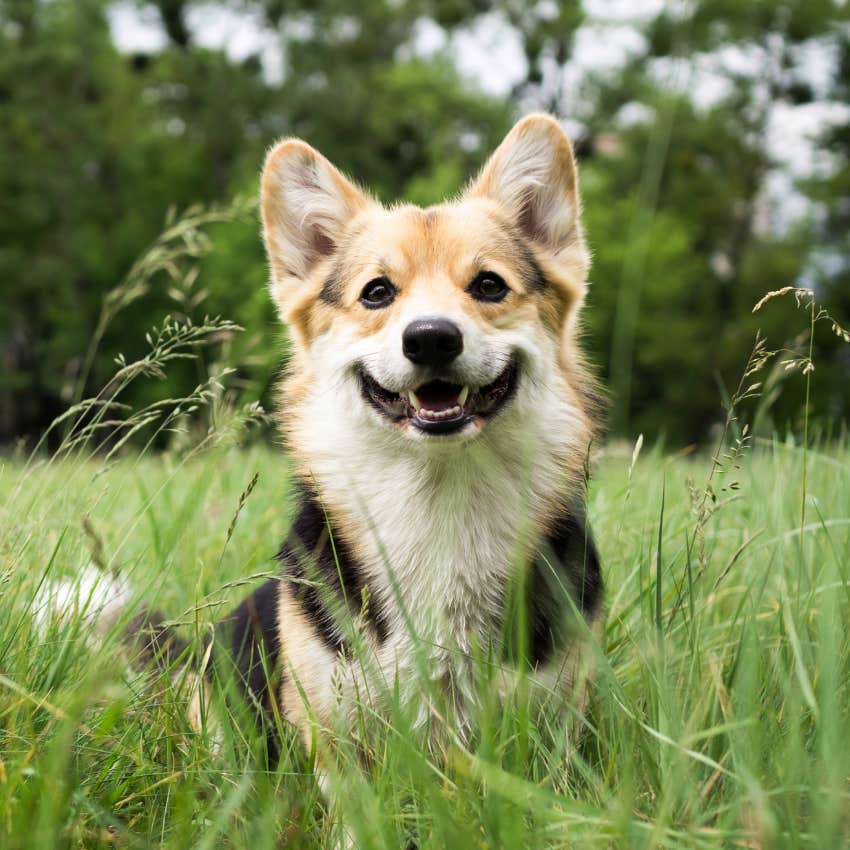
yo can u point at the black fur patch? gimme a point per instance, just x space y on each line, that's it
251 636
566 563
332 288
325 577
156 643
534 278
530 272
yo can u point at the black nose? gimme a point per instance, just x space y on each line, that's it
432 342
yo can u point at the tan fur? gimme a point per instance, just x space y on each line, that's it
523 207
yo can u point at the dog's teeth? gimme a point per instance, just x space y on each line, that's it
464 393
440 414
414 402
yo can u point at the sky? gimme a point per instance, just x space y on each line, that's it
605 42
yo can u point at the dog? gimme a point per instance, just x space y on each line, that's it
439 414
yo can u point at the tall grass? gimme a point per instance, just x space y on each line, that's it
732 730
719 710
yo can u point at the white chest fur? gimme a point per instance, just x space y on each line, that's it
438 528
440 536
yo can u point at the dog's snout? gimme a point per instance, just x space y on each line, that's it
432 342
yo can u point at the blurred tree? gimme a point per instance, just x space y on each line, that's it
96 147
67 110
173 15
830 272
678 195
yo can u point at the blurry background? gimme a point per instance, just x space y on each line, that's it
713 139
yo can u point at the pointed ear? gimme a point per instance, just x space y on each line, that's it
532 175
306 206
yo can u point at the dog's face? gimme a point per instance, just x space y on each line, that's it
429 324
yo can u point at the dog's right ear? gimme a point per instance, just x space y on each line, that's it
307 205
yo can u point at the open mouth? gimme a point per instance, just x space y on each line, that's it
440 406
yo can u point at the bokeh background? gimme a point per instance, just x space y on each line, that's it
713 140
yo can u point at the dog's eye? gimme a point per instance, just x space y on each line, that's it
488 286
377 293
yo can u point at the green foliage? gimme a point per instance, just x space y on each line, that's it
97 147
703 172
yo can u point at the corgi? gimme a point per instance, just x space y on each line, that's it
439 414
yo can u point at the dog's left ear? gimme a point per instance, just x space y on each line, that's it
532 175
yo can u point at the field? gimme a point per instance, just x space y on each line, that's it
720 713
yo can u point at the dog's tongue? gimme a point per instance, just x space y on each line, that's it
438 395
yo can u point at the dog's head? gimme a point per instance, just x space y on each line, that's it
430 325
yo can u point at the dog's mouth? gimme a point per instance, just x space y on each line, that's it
440 406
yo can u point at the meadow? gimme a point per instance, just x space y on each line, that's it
718 716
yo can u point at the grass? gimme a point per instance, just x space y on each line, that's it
720 718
